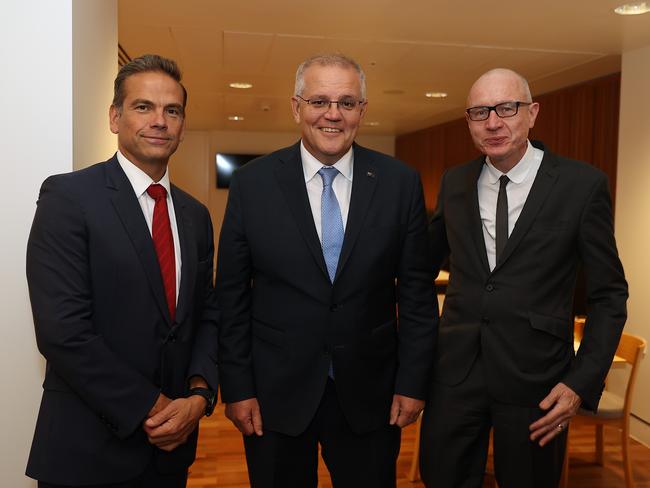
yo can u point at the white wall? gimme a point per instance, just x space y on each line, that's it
633 213
36 128
37 141
94 61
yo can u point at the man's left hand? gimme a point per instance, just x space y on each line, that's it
562 404
171 427
405 410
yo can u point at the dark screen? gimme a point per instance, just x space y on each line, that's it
227 164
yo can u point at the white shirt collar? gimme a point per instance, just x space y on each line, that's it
519 171
311 166
140 180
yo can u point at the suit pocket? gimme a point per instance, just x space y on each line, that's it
557 327
268 334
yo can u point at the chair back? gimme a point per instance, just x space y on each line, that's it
632 349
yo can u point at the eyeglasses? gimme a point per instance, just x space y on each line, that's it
323 104
503 110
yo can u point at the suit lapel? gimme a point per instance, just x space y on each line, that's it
364 182
476 225
127 207
188 255
544 181
291 179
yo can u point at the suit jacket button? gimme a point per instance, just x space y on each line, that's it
489 287
334 307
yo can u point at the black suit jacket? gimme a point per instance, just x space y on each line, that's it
284 321
519 316
103 325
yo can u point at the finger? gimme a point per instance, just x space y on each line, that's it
553 433
394 412
552 418
549 400
256 421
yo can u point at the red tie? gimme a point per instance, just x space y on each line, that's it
163 241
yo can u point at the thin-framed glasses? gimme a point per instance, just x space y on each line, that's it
323 104
503 110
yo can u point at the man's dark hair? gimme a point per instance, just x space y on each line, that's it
144 64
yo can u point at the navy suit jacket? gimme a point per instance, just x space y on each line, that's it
284 321
103 325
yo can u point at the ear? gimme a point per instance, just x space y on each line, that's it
113 117
295 109
533 110
364 108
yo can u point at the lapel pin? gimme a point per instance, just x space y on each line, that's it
370 174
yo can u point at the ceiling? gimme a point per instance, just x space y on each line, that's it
406 48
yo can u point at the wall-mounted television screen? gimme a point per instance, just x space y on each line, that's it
227 163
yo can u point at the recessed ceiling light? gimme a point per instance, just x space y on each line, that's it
235 118
241 85
371 124
636 8
435 95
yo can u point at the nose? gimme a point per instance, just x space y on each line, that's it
158 119
493 121
333 112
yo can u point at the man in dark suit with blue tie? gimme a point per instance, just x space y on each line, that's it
119 266
320 242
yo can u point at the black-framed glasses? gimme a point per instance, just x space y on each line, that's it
503 110
323 104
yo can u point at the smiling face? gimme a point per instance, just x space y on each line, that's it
328 134
503 140
150 123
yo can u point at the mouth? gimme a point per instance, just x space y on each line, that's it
330 130
156 139
495 141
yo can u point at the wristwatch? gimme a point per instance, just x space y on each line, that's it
210 398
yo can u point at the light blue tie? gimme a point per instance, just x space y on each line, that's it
331 221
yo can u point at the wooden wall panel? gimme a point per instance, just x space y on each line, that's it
579 122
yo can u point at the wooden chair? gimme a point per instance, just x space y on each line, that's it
613 410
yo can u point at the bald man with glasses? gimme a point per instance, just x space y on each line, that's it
517 224
319 243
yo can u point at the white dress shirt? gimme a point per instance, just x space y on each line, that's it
521 176
342 185
140 181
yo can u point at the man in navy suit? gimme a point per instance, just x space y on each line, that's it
119 266
320 242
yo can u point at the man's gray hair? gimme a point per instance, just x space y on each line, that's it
332 59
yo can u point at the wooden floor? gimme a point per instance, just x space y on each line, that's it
220 459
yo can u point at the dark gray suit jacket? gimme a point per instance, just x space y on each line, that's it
519 316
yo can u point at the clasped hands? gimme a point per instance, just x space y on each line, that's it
170 422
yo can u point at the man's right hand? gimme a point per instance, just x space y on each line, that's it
246 416
161 403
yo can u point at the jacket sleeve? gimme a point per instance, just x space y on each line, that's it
234 274
418 314
606 298
60 285
204 352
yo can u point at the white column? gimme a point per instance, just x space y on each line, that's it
36 140
633 213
